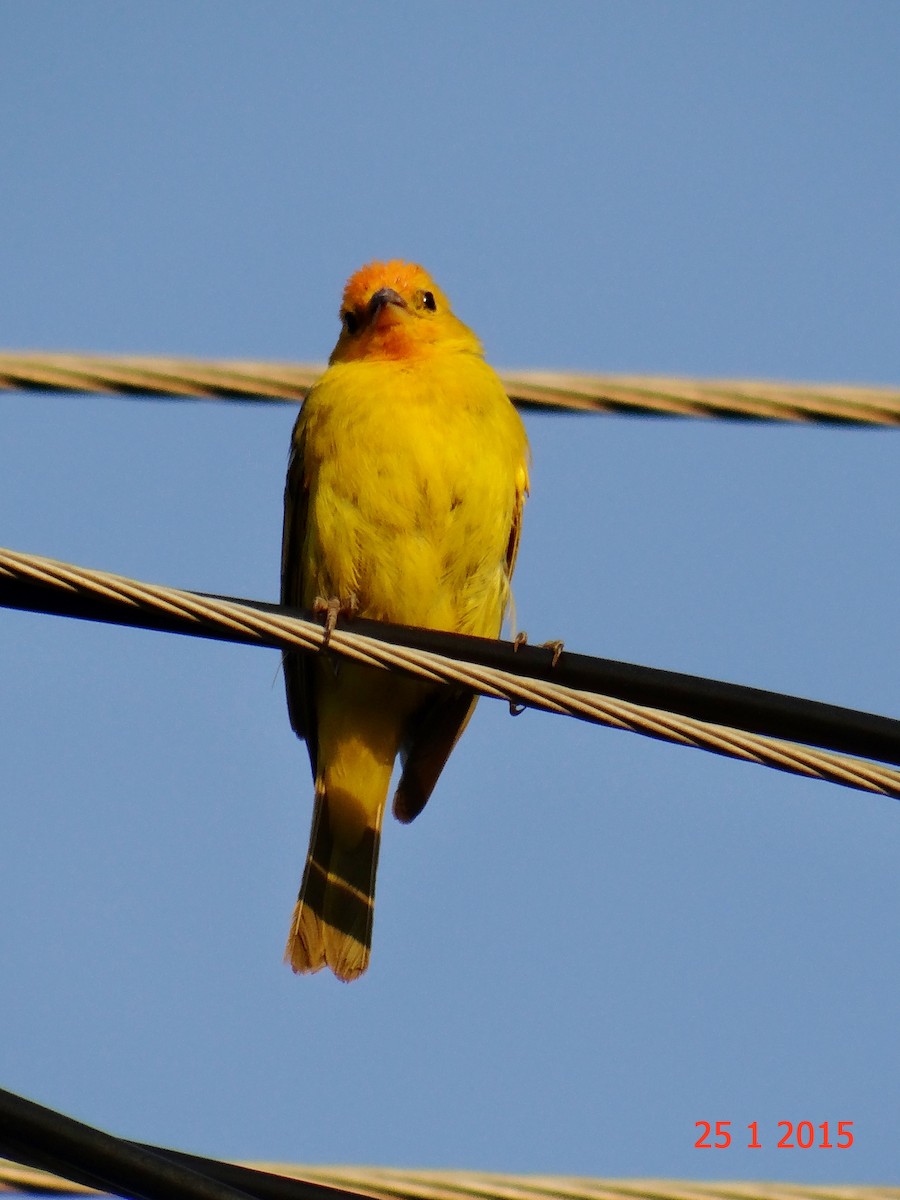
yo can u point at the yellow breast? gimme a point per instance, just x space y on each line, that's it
414 472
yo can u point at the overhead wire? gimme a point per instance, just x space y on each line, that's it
49 1141
42 584
754 400
81 1159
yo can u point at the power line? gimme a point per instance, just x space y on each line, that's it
559 391
591 689
35 1135
50 1141
81 1152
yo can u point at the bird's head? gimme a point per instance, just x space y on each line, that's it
394 310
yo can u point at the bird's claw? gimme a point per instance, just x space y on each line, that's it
332 609
557 648
521 639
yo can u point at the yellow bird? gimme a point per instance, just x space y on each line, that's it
407 476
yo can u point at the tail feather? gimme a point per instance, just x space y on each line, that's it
332 920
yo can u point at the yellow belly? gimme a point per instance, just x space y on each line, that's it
413 476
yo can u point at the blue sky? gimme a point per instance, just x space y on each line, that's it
589 941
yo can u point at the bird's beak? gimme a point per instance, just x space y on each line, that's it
383 297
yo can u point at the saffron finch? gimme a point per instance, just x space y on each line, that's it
405 486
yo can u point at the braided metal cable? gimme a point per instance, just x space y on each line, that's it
546 390
159 377
386 1183
206 614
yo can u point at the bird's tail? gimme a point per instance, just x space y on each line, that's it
332 921
361 715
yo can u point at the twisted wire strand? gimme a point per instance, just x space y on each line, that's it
385 1183
544 390
215 614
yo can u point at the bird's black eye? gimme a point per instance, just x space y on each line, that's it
428 301
351 321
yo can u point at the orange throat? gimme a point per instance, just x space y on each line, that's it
389 336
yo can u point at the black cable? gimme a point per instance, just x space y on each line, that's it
264 1185
809 722
39 1137
50 1141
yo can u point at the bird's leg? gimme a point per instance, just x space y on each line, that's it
332 609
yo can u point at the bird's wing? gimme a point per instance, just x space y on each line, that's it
515 529
438 725
429 739
298 667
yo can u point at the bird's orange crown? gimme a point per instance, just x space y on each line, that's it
403 277
395 310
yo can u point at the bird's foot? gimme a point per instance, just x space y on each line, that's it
557 648
521 639
332 609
